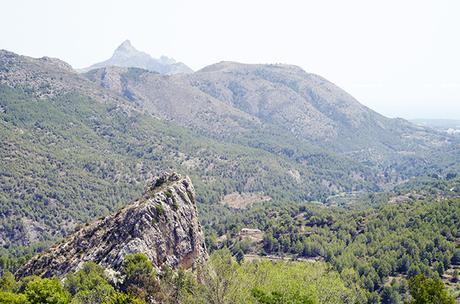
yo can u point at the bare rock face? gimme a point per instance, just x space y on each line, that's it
163 224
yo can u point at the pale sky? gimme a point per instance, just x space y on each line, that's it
400 58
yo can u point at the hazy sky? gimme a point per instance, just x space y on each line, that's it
400 58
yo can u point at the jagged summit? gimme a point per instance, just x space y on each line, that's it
125 46
163 224
126 55
126 51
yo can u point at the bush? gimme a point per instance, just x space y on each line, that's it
89 285
7 282
7 297
121 298
160 210
428 291
140 277
46 291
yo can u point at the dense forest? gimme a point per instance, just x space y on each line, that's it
382 242
382 248
69 160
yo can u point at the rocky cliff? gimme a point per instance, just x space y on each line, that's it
163 224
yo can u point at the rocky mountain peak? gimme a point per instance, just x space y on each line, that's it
163 224
126 49
125 45
126 55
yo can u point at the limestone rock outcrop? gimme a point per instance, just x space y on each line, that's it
163 224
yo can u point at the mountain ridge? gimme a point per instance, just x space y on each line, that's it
306 105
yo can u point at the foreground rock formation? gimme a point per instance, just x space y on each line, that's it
163 224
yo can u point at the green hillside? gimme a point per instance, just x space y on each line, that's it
69 159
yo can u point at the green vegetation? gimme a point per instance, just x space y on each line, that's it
428 291
221 280
12 257
372 245
69 159
160 210
140 277
88 285
44 291
7 297
262 281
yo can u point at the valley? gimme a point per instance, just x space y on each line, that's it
292 174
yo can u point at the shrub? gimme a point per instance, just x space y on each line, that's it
46 291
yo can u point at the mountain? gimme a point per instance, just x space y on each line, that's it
251 103
162 224
268 147
127 56
77 146
73 150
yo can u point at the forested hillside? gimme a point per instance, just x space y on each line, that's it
380 244
70 159
369 206
72 152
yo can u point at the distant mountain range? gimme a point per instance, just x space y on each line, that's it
438 123
127 56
